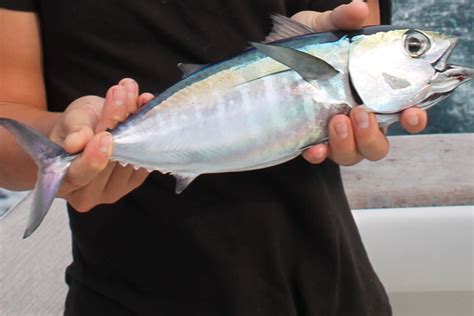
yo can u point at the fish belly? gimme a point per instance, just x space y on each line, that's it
252 125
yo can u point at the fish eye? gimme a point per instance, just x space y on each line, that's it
416 43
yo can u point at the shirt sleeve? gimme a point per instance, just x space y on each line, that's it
19 5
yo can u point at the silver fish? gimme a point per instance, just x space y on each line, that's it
266 105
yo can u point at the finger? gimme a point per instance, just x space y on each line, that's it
414 120
316 154
345 17
131 88
138 177
84 198
122 181
114 109
342 146
75 129
351 16
112 184
117 185
145 98
77 139
91 162
371 141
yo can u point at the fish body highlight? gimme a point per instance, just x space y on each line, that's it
266 105
251 114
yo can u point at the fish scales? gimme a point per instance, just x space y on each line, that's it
243 122
266 105
289 121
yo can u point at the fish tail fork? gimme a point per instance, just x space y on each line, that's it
52 162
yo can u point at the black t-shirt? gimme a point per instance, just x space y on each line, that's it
277 241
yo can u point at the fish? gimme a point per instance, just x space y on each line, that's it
264 106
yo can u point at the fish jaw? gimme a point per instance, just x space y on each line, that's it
446 77
445 82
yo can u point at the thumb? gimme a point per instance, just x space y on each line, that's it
89 164
345 17
77 139
76 126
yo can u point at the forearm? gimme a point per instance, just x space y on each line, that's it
17 169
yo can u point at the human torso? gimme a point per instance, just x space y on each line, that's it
276 241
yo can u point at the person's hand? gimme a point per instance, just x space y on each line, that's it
92 179
353 138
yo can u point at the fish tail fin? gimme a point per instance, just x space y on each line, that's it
52 162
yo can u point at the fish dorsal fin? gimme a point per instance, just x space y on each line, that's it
284 27
307 66
189 69
183 180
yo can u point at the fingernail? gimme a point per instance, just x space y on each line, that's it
130 86
413 120
119 96
341 130
105 143
362 119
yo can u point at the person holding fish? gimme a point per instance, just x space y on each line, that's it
271 241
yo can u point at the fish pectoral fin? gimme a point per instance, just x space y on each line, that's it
183 180
307 66
189 69
284 27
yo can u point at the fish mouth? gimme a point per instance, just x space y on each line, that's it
459 73
445 80
450 73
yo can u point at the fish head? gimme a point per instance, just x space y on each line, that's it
401 68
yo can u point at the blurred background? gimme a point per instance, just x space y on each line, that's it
453 17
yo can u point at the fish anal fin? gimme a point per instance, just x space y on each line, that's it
189 69
307 66
183 181
284 27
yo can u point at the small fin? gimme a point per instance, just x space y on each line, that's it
52 162
189 69
182 181
307 66
284 27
